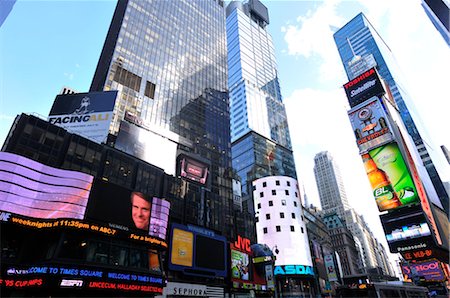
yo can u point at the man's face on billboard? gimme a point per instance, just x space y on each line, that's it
140 212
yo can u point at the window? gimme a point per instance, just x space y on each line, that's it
302 230
278 228
296 194
301 217
265 230
150 90
295 204
283 202
254 187
277 182
267 216
259 205
288 183
274 192
257 219
286 192
292 229
293 215
281 214
270 203
264 184
261 194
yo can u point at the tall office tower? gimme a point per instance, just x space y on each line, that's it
329 184
358 40
261 144
168 61
439 13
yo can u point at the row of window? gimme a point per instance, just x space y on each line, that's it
281 216
277 183
283 203
274 193
278 229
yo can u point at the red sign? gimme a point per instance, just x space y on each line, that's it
36 282
420 254
125 287
242 244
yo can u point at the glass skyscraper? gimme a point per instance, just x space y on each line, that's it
359 39
168 61
261 144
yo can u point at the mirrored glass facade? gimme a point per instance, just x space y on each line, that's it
261 144
359 37
168 61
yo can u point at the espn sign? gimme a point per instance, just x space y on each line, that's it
364 86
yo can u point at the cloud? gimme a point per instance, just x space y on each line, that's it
312 37
70 76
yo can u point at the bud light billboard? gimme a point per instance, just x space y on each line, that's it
389 177
88 114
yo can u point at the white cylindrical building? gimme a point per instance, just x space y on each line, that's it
279 219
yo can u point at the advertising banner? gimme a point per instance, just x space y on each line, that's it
148 146
35 190
363 87
331 269
128 210
269 277
370 125
88 114
389 177
430 270
240 265
197 251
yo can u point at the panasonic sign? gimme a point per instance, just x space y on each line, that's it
363 87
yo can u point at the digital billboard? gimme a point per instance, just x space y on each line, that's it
88 114
32 189
197 251
430 271
240 265
128 210
148 146
193 169
363 87
389 177
407 230
331 268
370 124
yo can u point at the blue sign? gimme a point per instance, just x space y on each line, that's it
293 270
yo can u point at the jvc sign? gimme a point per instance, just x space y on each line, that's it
293 270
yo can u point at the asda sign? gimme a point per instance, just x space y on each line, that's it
293 270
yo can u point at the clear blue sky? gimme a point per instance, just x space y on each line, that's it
45 45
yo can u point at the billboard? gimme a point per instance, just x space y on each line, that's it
240 265
407 230
331 268
429 271
88 114
197 251
128 210
389 177
363 87
193 169
148 146
370 124
32 189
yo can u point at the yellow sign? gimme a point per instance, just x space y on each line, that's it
182 248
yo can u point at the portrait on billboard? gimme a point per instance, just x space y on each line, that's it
140 210
240 265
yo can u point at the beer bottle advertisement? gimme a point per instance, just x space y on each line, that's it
383 192
389 159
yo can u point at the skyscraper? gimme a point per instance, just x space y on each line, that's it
329 184
168 61
261 144
359 38
439 13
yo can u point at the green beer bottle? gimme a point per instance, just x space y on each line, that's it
389 159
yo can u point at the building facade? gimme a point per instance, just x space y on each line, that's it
261 144
333 197
167 59
359 38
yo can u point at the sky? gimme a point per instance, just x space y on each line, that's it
45 45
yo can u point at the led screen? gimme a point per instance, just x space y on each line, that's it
32 189
203 256
87 114
240 265
113 204
429 270
409 232
363 87
194 170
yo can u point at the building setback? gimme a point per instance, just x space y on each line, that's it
358 40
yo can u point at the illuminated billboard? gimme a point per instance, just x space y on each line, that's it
240 265
430 271
331 268
389 177
192 169
128 210
363 87
32 189
88 114
370 124
148 146
197 251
